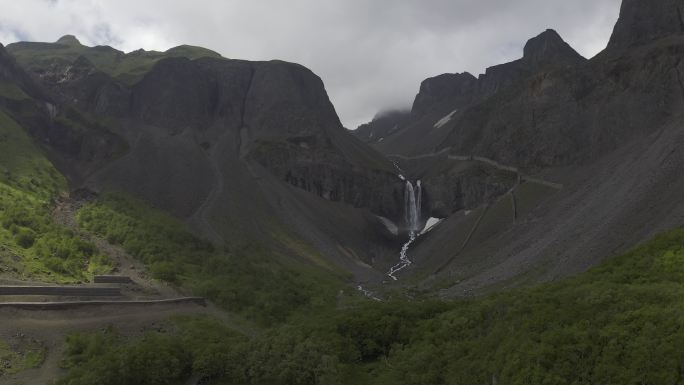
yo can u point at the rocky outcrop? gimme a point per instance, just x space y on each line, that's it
642 22
68 40
178 95
12 73
464 189
76 143
549 49
454 90
305 164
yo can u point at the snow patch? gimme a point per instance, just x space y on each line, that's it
430 224
445 119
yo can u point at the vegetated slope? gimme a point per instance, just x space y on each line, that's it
248 277
226 145
617 323
607 129
245 277
66 56
32 246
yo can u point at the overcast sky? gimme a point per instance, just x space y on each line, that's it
371 54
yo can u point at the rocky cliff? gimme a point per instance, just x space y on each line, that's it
221 143
521 161
642 22
606 129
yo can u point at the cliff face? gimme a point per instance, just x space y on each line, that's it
277 113
608 129
78 144
224 144
552 107
642 22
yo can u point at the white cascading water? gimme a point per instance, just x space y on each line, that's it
419 199
412 207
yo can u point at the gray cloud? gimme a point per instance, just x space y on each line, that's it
371 54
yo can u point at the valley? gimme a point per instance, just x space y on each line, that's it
180 217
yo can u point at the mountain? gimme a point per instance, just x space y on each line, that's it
443 99
590 147
642 22
239 150
234 232
513 162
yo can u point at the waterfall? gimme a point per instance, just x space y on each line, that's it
412 202
419 200
412 205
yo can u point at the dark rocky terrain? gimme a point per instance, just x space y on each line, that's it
608 129
224 144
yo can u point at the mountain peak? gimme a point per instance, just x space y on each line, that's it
455 89
642 21
68 40
548 47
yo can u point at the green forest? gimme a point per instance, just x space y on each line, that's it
619 323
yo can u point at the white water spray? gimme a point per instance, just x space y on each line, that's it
412 206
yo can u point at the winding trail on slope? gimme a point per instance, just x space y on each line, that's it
201 216
481 159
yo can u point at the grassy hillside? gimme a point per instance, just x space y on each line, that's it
245 278
32 246
19 354
126 67
22 165
619 323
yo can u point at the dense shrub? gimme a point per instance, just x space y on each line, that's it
48 251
